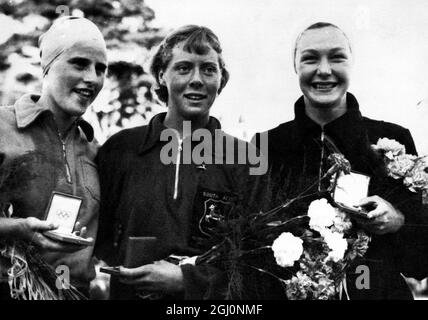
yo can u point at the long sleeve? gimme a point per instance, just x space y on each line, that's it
111 186
412 238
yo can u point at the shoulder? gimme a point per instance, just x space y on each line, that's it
379 126
121 147
279 131
240 145
231 149
379 129
276 134
277 140
238 156
127 139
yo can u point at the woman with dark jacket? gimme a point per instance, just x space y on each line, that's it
327 117
152 185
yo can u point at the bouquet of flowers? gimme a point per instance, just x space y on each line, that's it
312 251
323 253
400 165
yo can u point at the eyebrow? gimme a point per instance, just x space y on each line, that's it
202 62
85 60
182 61
214 63
316 51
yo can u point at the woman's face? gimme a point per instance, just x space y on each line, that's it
192 81
323 64
75 79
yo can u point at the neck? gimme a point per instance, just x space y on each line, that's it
325 114
63 120
175 121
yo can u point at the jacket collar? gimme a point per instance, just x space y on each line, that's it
345 130
155 127
352 117
348 133
27 110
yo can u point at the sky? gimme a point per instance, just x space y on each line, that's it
389 40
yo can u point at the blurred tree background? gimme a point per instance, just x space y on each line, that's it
127 99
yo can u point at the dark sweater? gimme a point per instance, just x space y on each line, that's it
137 199
295 160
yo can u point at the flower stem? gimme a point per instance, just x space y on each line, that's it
265 271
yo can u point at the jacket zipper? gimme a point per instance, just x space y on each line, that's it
320 174
64 155
177 168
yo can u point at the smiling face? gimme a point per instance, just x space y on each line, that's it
323 64
192 81
74 80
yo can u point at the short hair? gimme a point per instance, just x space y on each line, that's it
197 39
317 25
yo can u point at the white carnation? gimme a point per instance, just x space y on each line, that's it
342 222
401 165
417 178
321 215
337 244
390 147
287 249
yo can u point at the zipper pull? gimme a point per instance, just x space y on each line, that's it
321 165
64 155
202 167
177 168
67 167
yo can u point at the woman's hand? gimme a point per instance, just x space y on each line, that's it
160 276
32 231
384 218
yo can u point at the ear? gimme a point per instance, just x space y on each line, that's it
161 78
223 81
295 65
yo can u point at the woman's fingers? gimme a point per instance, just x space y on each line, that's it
369 201
377 203
81 233
35 224
133 273
33 232
378 212
383 218
140 276
48 244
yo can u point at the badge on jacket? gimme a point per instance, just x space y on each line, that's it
216 207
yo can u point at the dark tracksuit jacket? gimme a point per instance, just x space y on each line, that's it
177 203
295 150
